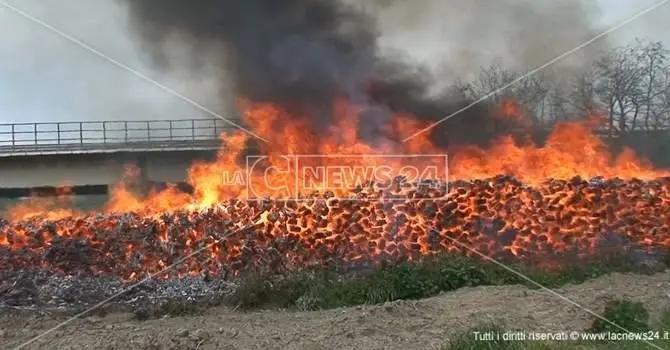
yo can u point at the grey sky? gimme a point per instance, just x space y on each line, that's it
44 77
653 26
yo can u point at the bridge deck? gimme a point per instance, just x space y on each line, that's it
26 139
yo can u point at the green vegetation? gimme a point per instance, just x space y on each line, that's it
630 315
324 289
329 288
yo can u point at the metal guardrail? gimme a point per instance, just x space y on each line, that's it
109 136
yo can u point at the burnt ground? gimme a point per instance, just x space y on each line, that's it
45 292
422 324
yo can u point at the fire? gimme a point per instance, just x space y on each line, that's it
571 150
565 197
45 208
501 217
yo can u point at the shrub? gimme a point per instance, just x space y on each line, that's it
324 289
632 316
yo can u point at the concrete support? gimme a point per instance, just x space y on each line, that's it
95 169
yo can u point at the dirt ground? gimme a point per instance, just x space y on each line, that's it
423 324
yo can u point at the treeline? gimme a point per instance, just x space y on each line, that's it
629 86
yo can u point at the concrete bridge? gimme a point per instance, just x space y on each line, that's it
90 155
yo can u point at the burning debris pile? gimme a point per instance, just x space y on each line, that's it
561 201
500 217
312 83
566 201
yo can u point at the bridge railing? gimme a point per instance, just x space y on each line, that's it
55 136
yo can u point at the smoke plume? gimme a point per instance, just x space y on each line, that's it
303 54
465 35
45 77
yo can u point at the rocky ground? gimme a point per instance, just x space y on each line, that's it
422 324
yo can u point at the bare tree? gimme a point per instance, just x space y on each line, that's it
531 92
629 85
656 84
661 112
582 95
631 82
617 85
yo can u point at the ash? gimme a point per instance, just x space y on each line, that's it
43 291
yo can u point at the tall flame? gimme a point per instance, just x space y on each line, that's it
571 150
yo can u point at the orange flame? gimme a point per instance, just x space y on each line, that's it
570 150
494 217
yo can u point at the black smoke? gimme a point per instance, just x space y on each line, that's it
302 55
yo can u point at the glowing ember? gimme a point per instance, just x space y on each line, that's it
500 217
